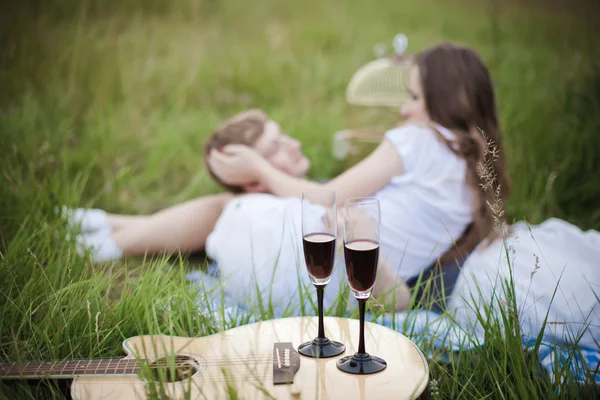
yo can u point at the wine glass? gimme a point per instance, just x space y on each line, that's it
361 253
319 232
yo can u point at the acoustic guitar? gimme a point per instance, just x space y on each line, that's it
254 361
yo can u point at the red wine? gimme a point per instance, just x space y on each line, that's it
319 252
361 263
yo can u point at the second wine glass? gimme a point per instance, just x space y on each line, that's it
319 232
361 254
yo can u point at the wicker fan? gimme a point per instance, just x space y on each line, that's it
381 86
381 82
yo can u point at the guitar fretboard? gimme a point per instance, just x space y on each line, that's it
103 366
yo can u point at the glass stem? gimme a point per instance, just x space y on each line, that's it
320 290
361 341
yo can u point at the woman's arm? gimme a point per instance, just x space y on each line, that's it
364 179
390 290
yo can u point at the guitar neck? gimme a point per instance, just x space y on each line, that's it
69 369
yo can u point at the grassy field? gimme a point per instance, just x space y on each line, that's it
107 104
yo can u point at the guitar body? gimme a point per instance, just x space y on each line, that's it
238 363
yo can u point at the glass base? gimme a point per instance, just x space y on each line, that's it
361 364
321 348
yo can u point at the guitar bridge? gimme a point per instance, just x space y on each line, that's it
286 362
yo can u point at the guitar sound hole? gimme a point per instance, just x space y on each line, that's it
167 369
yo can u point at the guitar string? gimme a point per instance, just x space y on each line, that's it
35 370
138 367
123 370
127 363
207 377
102 363
105 364
203 379
113 360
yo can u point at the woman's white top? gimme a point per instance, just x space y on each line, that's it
427 208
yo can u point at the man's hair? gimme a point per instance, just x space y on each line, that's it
244 128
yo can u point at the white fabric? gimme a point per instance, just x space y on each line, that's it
428 207
86 220
100 246
257 244
554 253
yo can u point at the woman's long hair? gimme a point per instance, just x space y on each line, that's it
459 95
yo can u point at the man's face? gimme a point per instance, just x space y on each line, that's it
282 151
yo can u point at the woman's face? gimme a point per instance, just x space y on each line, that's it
282 151
414 108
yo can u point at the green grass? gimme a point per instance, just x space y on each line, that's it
107 104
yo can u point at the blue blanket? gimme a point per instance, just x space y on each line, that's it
441 335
